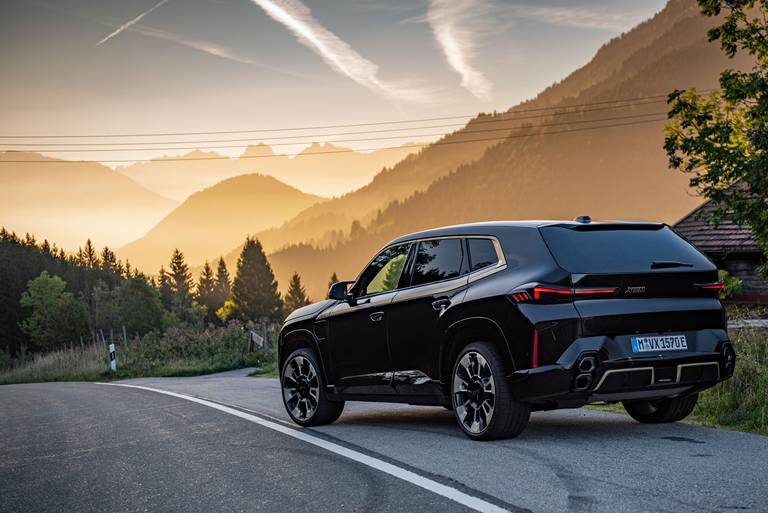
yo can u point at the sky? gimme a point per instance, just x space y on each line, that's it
74 67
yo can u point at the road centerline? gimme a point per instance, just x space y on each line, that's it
443 490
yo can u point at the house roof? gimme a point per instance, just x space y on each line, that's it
728 237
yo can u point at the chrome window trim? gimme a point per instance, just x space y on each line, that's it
473 276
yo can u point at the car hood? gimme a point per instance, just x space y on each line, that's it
309 310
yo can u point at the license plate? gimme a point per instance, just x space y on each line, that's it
663 343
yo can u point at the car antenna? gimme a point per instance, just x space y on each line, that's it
583 219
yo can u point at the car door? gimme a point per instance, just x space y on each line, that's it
357 329
438 281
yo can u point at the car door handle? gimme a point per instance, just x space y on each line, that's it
441 303
377 316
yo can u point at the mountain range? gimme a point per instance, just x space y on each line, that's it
321 169
67 202
216 218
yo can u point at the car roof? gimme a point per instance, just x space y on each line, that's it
493 228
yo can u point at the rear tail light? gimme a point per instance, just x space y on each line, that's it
557 294
711 286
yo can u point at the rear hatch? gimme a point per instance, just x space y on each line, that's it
633 278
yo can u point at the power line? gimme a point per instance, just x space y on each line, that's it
365 139
387 130
320 127
427 144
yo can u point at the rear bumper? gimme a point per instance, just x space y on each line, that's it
595 369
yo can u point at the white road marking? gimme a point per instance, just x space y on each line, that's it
453 494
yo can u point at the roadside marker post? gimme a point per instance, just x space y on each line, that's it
112 361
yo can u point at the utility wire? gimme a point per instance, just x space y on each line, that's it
386 130
365 139
426 144
319 127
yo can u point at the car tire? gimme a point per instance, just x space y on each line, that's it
303 391
481 396
669 409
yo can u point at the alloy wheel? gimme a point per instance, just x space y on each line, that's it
301 388
474 392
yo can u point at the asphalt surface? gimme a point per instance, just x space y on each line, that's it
89 447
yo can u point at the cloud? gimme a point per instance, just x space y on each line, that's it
203 46
577 17
454 27
128 24
339 55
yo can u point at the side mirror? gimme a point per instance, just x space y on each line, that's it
339 291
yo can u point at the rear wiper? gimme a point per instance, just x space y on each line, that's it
666 265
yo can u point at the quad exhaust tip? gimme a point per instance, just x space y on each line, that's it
588 364
582 382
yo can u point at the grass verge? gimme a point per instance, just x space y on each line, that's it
177 352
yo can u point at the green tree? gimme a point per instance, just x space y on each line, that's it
181 287
181 278
164 289
88 257
254 290
206 292
395 268
721 139
108 262
103 307
138 306
296 296
56 317
223 285
227 311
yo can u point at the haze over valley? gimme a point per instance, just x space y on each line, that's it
589 143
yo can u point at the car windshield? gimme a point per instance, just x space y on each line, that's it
601 249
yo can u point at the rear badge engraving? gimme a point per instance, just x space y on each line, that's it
635 290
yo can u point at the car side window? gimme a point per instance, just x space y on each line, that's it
482 253
383 273
437 260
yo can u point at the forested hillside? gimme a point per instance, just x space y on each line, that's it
602 159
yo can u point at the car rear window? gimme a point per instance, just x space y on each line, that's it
601 249
482 253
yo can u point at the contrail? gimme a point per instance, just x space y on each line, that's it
127 25
451 25
338 54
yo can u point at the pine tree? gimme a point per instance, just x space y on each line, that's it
89 258
223 286
181 278
164 289
392 278
109 261
334 279
297 296
206 290
255 289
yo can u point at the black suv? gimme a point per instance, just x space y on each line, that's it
493 320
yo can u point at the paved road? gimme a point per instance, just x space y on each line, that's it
87 447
